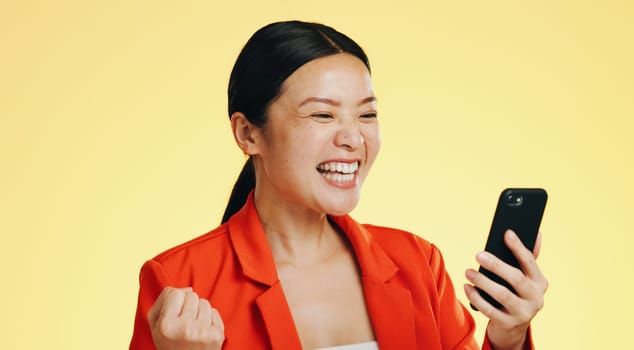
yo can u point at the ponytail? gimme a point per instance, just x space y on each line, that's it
241 190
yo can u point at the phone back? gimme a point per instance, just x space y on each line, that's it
520 210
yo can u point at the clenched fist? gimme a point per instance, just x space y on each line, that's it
179 319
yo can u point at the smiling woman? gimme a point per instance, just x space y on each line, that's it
270 57
288 268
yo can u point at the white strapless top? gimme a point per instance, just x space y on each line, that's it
371 345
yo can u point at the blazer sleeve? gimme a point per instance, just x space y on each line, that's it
153 278
528 345
454 321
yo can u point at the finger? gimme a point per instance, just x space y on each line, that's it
173 303
524 256
499 292
204 312
190 305
482 305
511 274
216 320
155 310
538 245
524 286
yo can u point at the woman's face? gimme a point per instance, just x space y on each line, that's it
322 136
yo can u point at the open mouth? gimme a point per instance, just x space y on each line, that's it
341 172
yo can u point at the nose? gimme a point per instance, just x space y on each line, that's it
349 136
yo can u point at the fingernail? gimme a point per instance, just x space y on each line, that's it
470 274
511 234
483 257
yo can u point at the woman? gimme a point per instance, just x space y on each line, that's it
288 268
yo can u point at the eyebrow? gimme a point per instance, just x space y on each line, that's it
333 102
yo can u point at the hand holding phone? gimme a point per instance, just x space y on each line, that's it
520 210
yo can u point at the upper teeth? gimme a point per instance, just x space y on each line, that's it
346 168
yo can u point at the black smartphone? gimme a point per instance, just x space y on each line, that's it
521 210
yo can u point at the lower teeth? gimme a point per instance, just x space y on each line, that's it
338 177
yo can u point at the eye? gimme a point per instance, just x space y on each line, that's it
372 115
322 117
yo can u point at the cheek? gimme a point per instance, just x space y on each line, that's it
372 138
310 141
296 147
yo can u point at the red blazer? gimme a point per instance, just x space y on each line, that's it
408 293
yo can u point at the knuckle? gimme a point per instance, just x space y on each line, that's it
216 337
505 296
524 253
170 292
540 304
191 331
175 292
205 303
516 278
545 284
525 315
165 328
487 309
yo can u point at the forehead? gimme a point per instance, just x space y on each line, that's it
340 76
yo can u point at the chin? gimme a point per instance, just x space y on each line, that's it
342 207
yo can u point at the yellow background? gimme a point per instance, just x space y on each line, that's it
115 145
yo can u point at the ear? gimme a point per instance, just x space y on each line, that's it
247 135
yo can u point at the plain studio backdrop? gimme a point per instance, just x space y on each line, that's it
115 145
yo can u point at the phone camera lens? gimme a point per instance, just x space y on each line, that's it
514 200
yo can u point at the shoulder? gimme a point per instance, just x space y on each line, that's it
406 249
217 237
394 239
203 252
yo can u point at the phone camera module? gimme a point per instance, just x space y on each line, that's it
514 200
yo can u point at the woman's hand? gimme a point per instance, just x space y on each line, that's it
508 327
179 319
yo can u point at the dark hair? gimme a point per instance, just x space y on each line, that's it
270 56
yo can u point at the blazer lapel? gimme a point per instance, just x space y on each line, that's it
256 260
392 314
278 319
390 306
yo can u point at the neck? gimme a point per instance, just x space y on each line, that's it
297 235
